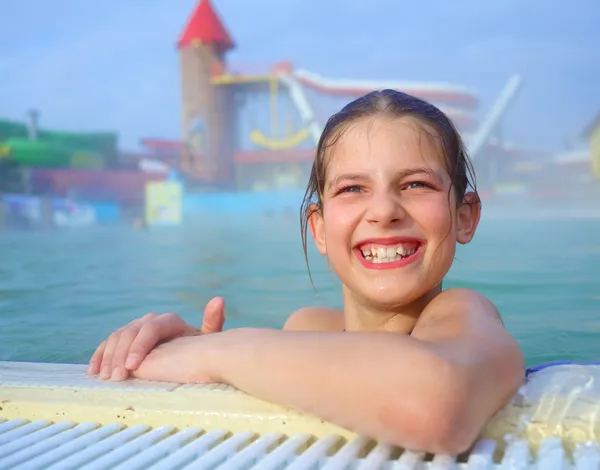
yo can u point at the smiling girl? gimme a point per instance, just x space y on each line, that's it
405 362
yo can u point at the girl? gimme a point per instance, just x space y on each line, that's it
406 363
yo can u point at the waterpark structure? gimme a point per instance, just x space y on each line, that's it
253 131
242 131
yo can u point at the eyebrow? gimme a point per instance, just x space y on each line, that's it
400 175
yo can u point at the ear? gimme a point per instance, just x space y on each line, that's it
467 218
317 228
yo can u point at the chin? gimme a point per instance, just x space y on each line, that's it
391 297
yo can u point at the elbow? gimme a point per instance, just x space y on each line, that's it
448 432
436 421
435 430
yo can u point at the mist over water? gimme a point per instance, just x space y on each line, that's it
62 292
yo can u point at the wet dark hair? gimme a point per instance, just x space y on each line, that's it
392 104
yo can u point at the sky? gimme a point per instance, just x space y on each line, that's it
113 65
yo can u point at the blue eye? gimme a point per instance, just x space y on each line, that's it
418 184
350 189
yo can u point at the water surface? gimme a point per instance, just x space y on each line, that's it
62 292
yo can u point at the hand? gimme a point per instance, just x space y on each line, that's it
182 360
126 348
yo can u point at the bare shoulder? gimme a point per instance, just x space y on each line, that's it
315 319
460 306
465 323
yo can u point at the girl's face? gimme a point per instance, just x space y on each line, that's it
390 220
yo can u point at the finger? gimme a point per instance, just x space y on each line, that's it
98 357
146 318
107 357
118 370
164 327
96 360
214 316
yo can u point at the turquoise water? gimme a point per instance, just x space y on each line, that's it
62 292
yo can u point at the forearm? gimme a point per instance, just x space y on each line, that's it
386 386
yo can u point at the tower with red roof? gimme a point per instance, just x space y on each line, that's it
207 110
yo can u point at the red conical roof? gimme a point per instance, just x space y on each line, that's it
205 26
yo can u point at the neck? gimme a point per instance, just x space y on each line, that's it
362 315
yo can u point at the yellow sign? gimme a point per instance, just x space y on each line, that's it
164 203
292 141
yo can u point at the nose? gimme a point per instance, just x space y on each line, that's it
385 209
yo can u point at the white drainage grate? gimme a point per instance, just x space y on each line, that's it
164 426
67 445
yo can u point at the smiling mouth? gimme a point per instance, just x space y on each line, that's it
382 254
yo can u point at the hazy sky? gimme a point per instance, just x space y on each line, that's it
113 65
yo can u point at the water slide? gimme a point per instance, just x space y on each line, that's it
303 106
456 101
432 91
52 149
478 140
455 94
44 154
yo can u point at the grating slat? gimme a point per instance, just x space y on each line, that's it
347 454
377 457
482 455
221 452
283 454
9 425
409 460
248 456
443 462
314 453
516 456
191 451
551 454
20 431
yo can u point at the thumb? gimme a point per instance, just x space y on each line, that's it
214 316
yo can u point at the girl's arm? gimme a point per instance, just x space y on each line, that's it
434 390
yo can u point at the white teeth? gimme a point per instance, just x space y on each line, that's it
385 260
386 254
